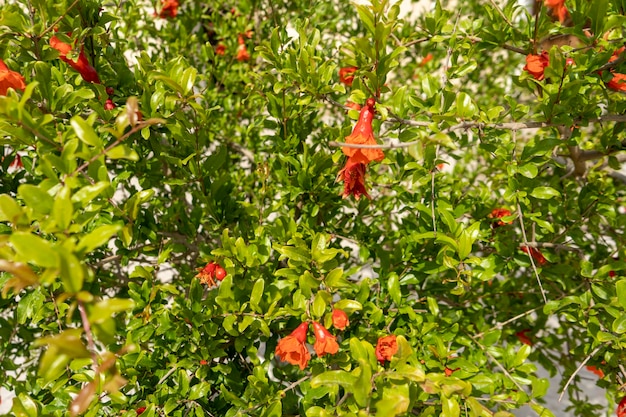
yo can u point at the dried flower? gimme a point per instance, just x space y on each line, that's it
386 347
340 319
10 79
292 348
324 341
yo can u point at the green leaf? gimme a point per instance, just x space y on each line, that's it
393 286
72 272
10 211
200 390
341 378
545 193
465 106
619 324
105 309
97 237
335 279
122 152
294 254
32 248
257 293
24 406
349 306
620 287
86 194
62 209
36 198
84 132
362 386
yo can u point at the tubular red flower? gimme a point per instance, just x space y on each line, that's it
426 59
220 49
618 82
340 319
536 64
595 370
242 51
386 347
10 79
363 134
621 408
292 348
346 75
523 337
535 253
324 341
82 65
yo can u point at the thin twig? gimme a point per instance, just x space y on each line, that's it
511 320
532 261
87 327
49 28
571 378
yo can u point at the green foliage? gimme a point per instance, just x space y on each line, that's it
108 223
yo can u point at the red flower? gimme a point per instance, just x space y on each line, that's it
242 51
208 274
386 347
108 104
449 371
353 106
353 177
426 59
535 64
203 362
498 213
220 49
534 252
612 274
82 65
169 9
292 348
346 75
558 9
618 82
621 408
521 335
340 319
363 134
595 370
10 79
140 410
324 341
16 163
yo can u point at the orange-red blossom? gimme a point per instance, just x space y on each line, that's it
293 349
81 65
536 64
353 173
498 213
340 319
324 341
10 79
386 347
346 75
618 82
558 9
169 9
242 51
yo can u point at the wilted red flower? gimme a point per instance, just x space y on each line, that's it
82 65
386 347
207 274
426 59
324 341
346 75
612 274
353 177
363 134
621 408
242 51
595 370
340 319
523 337
535 253
498 213
10 79
220 49
535 64
558 8
169 9
292 348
